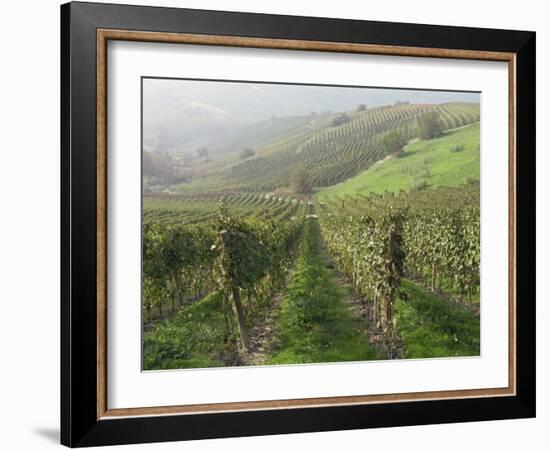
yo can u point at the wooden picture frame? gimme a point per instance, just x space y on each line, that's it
86 418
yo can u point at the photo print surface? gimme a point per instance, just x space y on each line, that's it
300 224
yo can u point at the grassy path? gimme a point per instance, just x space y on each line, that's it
431 326
314 323
316 319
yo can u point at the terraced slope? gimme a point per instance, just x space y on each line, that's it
329 153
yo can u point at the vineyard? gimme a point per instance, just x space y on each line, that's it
410 258
237 270
431 237
191 209
331 153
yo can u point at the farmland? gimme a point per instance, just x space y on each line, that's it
331 148
347 236
429 161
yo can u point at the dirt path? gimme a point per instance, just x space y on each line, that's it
363 311
359 308
262 334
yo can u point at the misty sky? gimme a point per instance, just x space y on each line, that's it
177 113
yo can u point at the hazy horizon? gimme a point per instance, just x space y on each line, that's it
178 114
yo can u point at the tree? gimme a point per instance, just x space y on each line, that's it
341 119
393 142
300 182
155 288
247 153
158 164
361 107
202 152
187 159
429 125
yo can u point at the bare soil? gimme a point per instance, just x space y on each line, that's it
261 335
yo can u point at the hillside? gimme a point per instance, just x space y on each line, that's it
331 150
430 163
279 255
266 133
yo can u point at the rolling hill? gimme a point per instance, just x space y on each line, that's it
449 160
332 147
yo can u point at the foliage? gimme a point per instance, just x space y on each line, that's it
214 256
177 264
200 208
369 249
314 324
203 152
301 182
330 154
161 169
420 185
247 153
340 119
456 148
194 337
157 164
243 260
440 231
428 161
429 125
393 142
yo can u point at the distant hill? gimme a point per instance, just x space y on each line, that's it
186 126
182 115
264 133
331 148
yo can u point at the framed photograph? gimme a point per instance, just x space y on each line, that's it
277 224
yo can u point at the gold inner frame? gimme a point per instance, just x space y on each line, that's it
104 35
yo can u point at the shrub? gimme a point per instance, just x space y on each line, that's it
471 180
247 153
429 125
420 186
393 142
456 148
340 120
300 182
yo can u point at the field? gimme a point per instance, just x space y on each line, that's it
430 161
335 237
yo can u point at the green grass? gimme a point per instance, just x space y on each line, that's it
194 337
314 324
431 161
432 327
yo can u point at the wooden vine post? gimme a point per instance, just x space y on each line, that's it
232 286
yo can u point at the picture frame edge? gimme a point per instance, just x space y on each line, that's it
80 426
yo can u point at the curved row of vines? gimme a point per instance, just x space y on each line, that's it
431 236
227 269
332 153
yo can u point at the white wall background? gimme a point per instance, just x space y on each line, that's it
29 224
